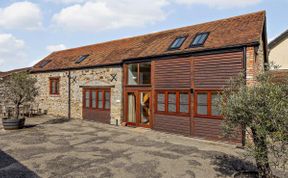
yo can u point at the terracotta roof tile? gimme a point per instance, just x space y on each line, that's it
237 30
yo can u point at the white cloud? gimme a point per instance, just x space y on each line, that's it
58 47
67 1
24 15
97 15
12 52
221 4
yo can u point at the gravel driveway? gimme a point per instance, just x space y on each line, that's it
51 147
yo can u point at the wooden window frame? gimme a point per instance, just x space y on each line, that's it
57 82
166 92
138 75
209 104
90 90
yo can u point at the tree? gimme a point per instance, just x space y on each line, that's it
19 89
262 110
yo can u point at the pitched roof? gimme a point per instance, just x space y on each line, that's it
239 30
5 74
278 39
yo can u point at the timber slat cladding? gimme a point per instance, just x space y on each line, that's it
96 115
214 71
173 73
172 124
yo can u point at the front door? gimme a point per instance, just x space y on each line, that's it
138 108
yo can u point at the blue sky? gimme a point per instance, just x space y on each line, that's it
31 29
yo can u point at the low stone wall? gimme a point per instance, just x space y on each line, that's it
99 77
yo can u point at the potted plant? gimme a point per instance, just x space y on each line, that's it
19 89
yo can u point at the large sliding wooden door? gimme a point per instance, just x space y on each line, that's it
138 108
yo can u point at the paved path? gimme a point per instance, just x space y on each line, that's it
61 148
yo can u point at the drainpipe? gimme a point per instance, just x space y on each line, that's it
69 94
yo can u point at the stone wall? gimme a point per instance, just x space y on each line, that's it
98 77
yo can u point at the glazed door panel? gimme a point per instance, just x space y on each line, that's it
138 108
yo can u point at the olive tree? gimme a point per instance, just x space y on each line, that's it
262 110
20 88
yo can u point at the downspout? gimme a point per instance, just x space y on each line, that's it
245 76
69 94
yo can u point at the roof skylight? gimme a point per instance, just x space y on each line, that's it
177 43
44 63
199 39
81 59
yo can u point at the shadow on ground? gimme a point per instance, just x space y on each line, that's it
57 121
9 167
228 165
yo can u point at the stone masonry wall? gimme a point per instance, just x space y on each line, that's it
58 104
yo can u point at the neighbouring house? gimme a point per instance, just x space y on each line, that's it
278 53
278 50
167 81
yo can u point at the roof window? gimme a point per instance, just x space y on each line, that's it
177 43
44 63
199 39
81 59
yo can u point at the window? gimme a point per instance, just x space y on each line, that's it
161 102
206 104
87 99
44 63
177 43
199 39
107 100
139 74
81 59
98 99
54 86
94 99
173 102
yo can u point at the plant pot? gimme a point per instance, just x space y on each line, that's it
13 124
246 174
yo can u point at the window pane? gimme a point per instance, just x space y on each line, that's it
145 73
214 107
107 104
100 99
184 98
161 107
53 87
56 86
87 99
184 108
93 99
202 98
107 100
178 42
172 98
132 74
171 102
171 107
202 104
202 110
161 98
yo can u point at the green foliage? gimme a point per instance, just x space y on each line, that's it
19 89
262 107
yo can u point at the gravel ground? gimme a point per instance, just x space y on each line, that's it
55 147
